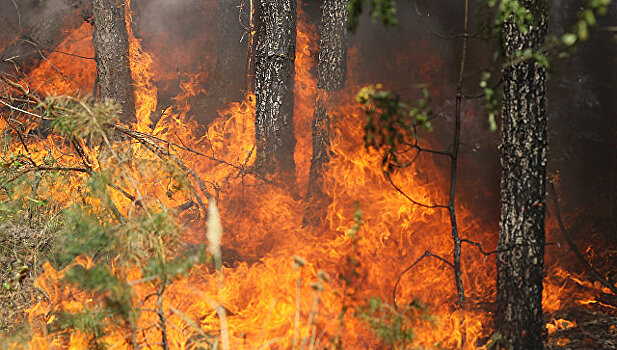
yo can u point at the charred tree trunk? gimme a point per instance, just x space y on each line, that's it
111 51
48 31
275 49
332 72
333 40
321 145
523 186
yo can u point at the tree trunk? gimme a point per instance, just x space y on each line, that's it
523 186
111 51
275 49
57 19
332 72
333 40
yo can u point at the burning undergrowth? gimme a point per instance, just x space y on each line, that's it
130 204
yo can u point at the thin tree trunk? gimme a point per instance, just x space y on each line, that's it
50 30
523 187
332 72
321 145
275 49
111 51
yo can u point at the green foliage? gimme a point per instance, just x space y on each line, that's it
81 234
90 321
524 18
179 265
391 124
511 10
142 241
393 327
100 280
492 100
379 9
143 234
17 272
358 222
81 117
586 20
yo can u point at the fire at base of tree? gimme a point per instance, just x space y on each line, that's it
275 174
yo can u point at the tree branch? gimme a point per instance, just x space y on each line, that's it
425 255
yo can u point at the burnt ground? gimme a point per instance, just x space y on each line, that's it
592 326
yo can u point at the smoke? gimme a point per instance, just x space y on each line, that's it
191 37
17 16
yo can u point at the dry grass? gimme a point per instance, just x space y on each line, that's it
23 250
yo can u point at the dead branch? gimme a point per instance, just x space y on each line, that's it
425 255
399 190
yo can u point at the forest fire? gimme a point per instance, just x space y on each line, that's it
374 259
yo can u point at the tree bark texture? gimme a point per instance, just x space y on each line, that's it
57 19
523 186
111 52
331 76
317 200
333 41
321 145
275 49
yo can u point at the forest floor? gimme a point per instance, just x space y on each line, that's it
592 326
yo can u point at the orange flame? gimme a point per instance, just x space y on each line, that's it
263 292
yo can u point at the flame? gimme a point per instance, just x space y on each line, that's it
559 324
263 292
305 89
69 68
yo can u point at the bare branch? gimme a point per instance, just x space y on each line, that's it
430 206
425 255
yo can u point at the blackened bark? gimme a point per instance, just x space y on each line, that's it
111 52
321 145
275 49
54 24
332 72
523 186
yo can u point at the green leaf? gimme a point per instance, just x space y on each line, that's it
568 39
491 122
582 30
589 17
